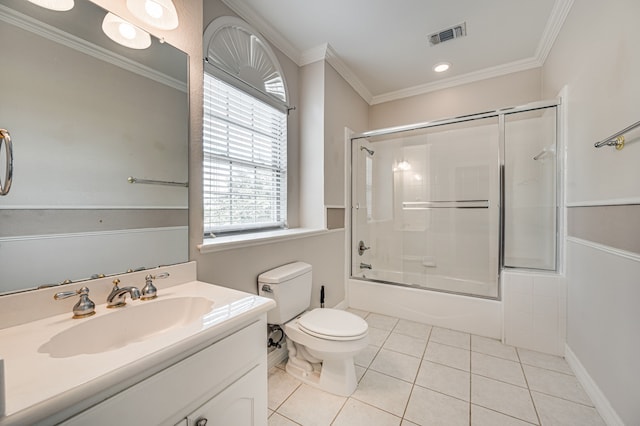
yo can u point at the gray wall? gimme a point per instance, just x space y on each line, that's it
239 268
343 107
603 257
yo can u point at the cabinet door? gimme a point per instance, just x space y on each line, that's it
244 403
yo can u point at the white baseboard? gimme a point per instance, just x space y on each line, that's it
598 398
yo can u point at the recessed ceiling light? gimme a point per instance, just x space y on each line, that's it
441 67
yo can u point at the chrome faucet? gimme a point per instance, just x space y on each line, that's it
149 291
116 298
365 265
84 308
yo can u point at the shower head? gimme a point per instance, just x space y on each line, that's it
369 151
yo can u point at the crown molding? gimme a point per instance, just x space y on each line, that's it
270 33
325 52
556 20
346 73
500 70
56 35
315 54
554 24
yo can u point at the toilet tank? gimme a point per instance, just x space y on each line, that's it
290 286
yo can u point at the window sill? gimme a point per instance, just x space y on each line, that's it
211 245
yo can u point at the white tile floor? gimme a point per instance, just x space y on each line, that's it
416 374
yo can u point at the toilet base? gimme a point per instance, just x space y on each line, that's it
336 376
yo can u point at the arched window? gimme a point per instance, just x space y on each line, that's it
245 131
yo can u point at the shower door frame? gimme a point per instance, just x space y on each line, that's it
500 114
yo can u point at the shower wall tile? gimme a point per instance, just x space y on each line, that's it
535 311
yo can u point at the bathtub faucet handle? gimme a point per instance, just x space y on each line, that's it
362 248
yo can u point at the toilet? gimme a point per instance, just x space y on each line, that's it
322 343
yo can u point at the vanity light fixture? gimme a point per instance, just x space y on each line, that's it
442 67
58 5
125 33
160 14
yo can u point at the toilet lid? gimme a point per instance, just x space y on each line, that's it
333 323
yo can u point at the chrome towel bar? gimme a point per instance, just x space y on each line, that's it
131 179
617 139
5 138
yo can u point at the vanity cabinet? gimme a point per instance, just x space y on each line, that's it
241 404
224 383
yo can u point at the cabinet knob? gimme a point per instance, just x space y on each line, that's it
201 421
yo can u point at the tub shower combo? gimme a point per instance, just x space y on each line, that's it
446 205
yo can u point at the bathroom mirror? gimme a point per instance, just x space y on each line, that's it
85 114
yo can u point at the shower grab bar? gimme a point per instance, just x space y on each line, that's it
617 139
457 204
131 179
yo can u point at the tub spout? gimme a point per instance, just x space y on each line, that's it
365 265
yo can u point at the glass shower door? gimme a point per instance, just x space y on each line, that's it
426 204
530 216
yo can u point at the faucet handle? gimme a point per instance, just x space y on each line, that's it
149 291
84 308
115 284
362 248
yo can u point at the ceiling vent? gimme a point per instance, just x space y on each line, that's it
456 31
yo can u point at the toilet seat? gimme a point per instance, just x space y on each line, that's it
333 324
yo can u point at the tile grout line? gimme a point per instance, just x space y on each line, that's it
535 408
562 398
287 398
340 410
378 372
505 414
413 385
421 363
373 406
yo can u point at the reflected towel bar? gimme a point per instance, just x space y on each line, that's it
131 179
5 139
458 204
616 139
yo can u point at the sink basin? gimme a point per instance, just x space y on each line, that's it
121 327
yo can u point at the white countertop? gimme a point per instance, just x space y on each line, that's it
38 385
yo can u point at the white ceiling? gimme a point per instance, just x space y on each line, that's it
381 47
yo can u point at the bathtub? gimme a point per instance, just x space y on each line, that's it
429 281
415 303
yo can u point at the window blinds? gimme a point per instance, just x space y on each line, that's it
245 161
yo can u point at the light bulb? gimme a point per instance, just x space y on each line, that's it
160 14
59 5
153 9
127 30
125 33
